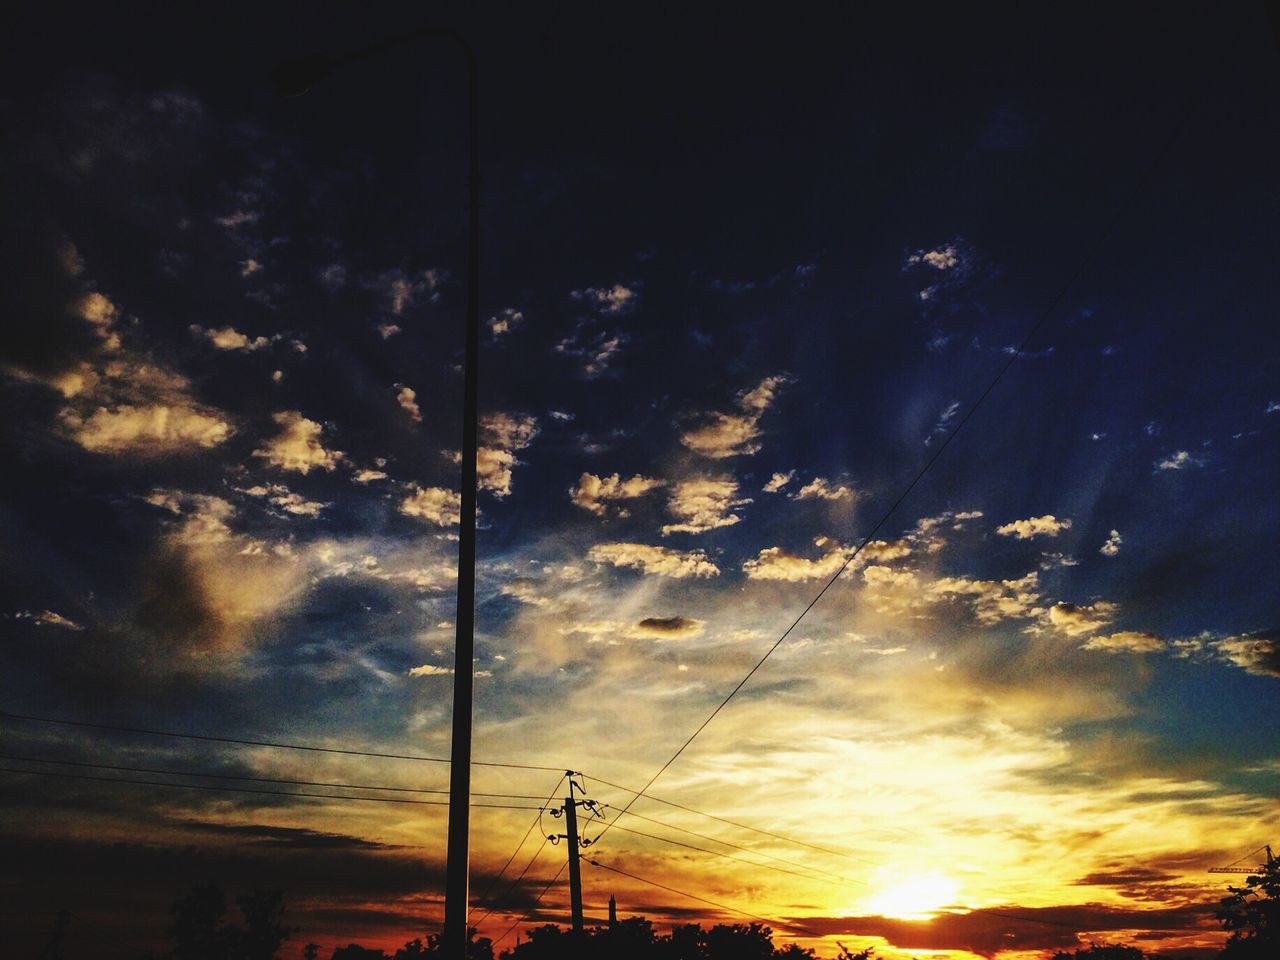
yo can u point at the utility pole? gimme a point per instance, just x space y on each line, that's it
570 813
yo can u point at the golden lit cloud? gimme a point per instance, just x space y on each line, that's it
721 435
702 504
298 447
1046 526
659 561
594 494
433 504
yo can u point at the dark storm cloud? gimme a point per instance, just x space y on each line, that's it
297 838
988 932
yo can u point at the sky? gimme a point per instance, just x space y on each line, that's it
742 278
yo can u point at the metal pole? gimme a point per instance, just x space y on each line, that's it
457 864
575 875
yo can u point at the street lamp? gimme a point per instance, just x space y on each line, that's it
294 79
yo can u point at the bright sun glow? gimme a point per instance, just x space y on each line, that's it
916 898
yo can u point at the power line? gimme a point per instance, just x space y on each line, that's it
1035 328
732 823
694 896
229 776
264 743
537 900
270 793
496 877
758 853
716 853
514 883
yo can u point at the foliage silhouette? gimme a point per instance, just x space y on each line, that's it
1252 914
201 930
1102 951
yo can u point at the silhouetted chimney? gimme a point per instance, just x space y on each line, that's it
613 912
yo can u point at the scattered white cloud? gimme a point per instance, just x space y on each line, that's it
1076 619
779 480
594 351
401 290
702 504
501 435
563 416
1126 641
430 670
659 561
408 401
819 488
249 267
505 321
928 531
287 500
719 435
943 422
1273 407
1046 526
1257 653
943 258
388 330
433 504
1112 545
368 475
774 563
1179 460
594 494
229 338
237 219
993 600
48 618
298 447
609 301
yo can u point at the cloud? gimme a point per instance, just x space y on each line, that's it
333 277
1046 526
943 258
779 480
609 301
388 330
286 499
1179 460
297 447
1074 619
48 618
927 533
993 600
1273 406
719 435
367 475
147 430
659 561
401 290
943 422
119 400
1126 641
228 338
820 488
595 351
408 401
1257 653
594 494
505 321
433 504
703 504
430 670
501 434
667 628
1112 545
774 563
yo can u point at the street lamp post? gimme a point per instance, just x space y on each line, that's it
294 79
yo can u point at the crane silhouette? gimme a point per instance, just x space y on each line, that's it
1232 868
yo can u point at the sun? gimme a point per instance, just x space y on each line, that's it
918 897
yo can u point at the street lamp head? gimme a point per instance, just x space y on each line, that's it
295 78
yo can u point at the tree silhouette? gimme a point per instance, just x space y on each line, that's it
1252 914
1102 951
201 930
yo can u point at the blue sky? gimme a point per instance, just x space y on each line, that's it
739 284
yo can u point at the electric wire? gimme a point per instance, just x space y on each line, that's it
758 853
269 793
717 853
537 900
732 823
694 896
1014 356
5 715
169 771
511 888
496 877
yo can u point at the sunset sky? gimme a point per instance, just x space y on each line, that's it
742 277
